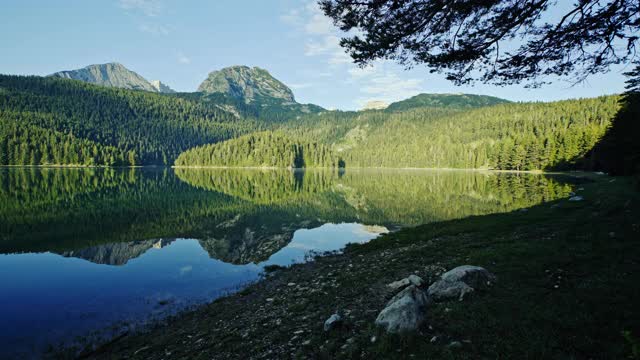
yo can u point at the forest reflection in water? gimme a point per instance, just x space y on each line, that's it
91 247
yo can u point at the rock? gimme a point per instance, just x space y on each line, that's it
576 198
416 280
333 321
459 282
404 312
444 290
454 345
400 284
475 276
410 280
373 339
161 87
375 105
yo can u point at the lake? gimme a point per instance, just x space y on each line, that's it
89 253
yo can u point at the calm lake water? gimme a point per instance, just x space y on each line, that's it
93 252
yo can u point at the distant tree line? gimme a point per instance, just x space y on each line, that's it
47 121
273 149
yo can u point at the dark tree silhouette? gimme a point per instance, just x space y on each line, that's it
493 41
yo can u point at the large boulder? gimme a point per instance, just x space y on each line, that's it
459 282
404 312
442 290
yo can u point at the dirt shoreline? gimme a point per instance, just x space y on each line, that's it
567 287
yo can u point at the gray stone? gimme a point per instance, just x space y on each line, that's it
405 312
576 198
416 280
459 282
400 284
410 280
442 290
333 321
475 276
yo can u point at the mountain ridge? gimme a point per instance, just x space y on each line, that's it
113 74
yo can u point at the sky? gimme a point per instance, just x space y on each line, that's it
180 42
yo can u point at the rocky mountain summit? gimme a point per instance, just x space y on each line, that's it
162 87
113 75
375 105
248 84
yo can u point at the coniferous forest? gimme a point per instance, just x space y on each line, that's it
65 122
49 121
261 149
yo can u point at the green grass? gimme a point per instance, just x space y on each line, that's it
568 288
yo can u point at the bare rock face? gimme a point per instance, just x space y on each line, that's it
459 282
162 87
110 75
248 84
375 105
405 312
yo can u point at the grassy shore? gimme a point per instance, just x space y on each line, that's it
568 287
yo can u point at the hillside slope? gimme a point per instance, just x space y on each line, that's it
145 128
455 101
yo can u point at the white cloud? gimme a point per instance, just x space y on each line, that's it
183 59
154 29
147 7
328 46
317 23
322 36
360 72
380 82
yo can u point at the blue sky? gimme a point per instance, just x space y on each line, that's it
180 42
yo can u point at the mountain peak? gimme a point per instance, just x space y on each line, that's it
246 83
111 74
162 87
375 105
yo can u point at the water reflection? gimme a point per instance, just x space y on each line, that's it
87 248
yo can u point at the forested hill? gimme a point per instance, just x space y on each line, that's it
272 149
59 121
454 101
512 136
